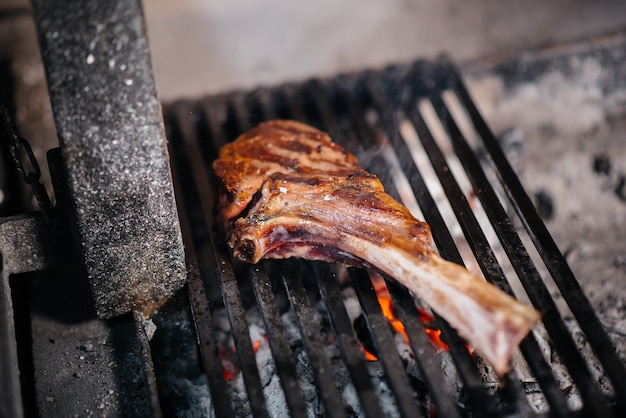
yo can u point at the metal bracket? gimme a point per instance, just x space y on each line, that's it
27 243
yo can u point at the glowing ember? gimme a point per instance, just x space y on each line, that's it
386 305
368 356
433 333
227 355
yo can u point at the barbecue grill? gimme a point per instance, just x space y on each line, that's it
281 337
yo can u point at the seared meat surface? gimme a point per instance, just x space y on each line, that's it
277 147
291 192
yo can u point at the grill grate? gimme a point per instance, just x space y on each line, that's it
372 114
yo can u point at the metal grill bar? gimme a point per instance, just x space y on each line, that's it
352 354
241 335
431 372
377 322
322 104
556 263
209 350
515 250
231 296
403 302
377 165
432 375
438 160
321 367
363 112
456 196
383 339
555 325
281 351
503 227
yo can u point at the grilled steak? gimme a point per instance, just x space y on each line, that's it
291 192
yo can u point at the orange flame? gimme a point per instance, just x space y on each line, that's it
368 356
387 308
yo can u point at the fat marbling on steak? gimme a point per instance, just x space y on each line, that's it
289 191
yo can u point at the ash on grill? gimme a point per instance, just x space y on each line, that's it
196 390
408 125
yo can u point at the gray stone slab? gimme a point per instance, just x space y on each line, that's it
112 140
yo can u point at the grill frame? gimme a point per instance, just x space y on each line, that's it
206 125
